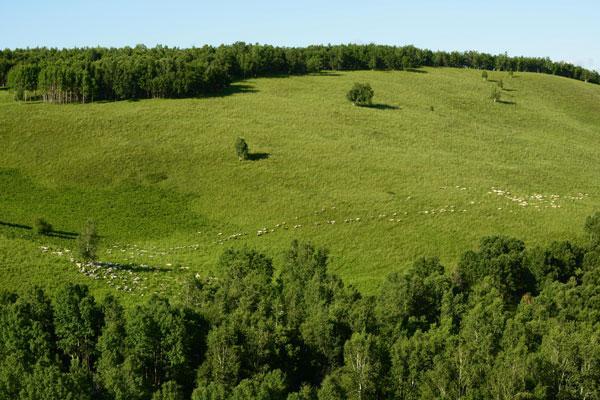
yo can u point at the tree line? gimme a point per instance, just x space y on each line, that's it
508 322
89 74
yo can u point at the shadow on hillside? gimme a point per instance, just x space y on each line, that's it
238 88
54 233
509 90
381 106
509 102
11 225
63 235
416 70
132 267
258 156
326 73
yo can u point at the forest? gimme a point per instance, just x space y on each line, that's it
92 74
507 322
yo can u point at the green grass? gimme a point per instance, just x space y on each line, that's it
163 175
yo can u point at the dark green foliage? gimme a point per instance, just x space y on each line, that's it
169 391
484 75
503 260
241 149
42 227
314 64
78 321
361 94
23 80
508 323
558 262
411 301
88 241
88 74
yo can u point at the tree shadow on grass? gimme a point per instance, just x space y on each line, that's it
258 156
53 233
416 70
326 73
132 267
509 102
11 225
381 106
509 90
236 88
63 235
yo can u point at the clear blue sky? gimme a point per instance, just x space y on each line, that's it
563 30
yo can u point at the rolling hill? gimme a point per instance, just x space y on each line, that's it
432 167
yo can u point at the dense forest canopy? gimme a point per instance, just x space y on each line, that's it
509 322
88 74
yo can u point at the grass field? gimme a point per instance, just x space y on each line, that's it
400 179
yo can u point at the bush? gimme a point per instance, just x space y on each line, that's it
241 148
495 95
361 94
484 75
592 228
42 227
500 84
88 241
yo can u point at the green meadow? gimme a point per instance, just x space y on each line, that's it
428 170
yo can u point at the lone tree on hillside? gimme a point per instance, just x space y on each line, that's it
88 241
484 75
241 148
361 94
496 94
42 227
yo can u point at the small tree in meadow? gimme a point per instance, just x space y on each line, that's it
241 148
495 95
42 227
361 94
88 241
500 84
484 75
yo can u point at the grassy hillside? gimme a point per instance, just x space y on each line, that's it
399 179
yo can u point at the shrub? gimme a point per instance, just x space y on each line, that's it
88 241
241 148
500 84
511 74
361 94
495 95
484 75
592 228
42 227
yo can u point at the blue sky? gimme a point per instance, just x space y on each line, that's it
562 30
